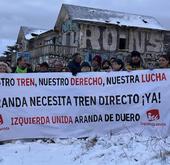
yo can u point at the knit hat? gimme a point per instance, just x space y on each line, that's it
135 53
98 59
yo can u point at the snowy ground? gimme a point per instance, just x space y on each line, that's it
122 149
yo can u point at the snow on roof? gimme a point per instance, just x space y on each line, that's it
30 32
112 17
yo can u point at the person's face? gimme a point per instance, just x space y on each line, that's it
95 63
106 65
58 68
3 69
163 63
116 66
112 60
22 63
135 59
85 69
43 69
37 68
78 59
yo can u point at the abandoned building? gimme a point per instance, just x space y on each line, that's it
92 31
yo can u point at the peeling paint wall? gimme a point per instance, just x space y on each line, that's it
140 40
148 42
167 42
99 39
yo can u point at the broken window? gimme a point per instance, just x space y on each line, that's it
88 33
122 43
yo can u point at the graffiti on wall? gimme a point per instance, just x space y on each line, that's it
149 60
167 42
69 26
108 39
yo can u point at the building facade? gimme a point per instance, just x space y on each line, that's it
110 34
93 31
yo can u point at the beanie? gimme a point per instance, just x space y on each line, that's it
98 59
135 53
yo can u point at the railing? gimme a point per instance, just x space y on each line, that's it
56 50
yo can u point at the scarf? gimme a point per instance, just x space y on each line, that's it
19 70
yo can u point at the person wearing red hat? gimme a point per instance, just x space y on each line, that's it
96 63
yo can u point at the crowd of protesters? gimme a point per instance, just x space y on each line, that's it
77 65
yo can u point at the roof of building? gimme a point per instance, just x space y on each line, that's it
112 17
30 32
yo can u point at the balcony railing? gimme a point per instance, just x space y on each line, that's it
56 50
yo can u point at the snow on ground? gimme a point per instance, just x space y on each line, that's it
120 149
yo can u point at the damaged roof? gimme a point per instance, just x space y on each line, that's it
30 32
111 17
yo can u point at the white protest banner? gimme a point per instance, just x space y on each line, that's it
61 105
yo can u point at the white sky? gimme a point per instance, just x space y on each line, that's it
43 14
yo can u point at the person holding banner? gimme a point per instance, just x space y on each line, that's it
118 65
44 67
4 68
136 62
58 66
85 67
74 65
163 61
106 66
96 63
22 66
37 68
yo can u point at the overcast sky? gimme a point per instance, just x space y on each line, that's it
43 13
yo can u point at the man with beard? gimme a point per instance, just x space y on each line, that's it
136 62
